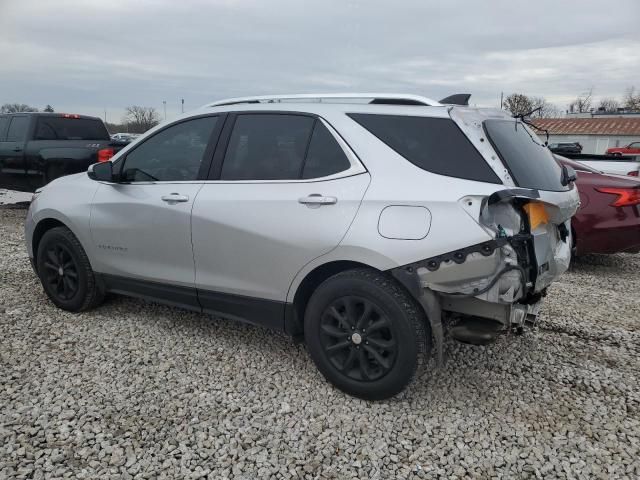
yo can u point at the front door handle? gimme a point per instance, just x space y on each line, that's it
175 198
17 149
317 199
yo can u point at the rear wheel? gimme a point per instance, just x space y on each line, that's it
65 271
365 333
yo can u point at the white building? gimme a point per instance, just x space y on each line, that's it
594 134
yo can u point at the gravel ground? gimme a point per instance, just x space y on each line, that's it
10 197
139 390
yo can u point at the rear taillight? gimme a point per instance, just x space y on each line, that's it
626 196
105 154
634 173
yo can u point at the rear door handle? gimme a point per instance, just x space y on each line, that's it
175 198
317 199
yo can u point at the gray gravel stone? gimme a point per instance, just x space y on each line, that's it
138 390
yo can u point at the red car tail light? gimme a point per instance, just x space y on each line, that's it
105 154
634 173
626 196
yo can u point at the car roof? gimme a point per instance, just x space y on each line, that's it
373 98
330 103
325 109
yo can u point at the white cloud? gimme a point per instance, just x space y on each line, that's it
89 55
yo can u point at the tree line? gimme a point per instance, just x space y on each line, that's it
22 107
521 104
136 119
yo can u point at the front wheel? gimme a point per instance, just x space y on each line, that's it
366 334
65 271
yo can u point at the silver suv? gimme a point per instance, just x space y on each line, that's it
358 223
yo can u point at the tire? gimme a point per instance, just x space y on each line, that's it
65 271
372 355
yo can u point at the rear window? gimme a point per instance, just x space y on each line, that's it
436 145
60 128
529 161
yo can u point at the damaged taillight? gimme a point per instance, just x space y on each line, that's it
537 214
626 196
105 154
633 173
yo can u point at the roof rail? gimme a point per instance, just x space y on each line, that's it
374 98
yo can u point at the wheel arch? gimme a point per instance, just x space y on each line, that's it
294 314
42 227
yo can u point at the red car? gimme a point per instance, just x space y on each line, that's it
631 149
608 220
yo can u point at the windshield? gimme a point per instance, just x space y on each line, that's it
530 162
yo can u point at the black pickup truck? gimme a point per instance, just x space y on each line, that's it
35 148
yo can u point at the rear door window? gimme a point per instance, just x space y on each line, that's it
267 147
61 128
325 156
18 129
436 145
529 161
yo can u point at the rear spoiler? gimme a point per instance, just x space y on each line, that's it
457 99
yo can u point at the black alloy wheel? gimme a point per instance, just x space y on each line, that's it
60 271
65 271
366 334
358 338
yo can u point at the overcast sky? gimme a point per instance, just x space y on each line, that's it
88 56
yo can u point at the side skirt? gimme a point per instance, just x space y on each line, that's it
257 311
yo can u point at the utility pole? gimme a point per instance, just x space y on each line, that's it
105 115
182 104
164 104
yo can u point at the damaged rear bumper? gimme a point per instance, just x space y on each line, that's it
503 279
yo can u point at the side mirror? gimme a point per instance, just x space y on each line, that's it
568 175
101 172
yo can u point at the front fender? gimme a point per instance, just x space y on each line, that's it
68 201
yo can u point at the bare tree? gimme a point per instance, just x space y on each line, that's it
48 108
140 119
582 103
16 108
608 104
518 104
631 99
521 104
543 109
